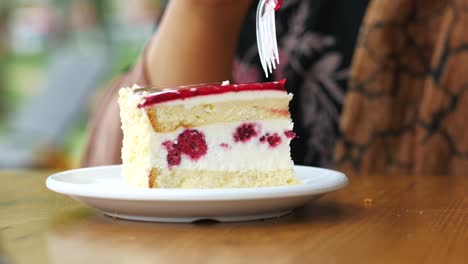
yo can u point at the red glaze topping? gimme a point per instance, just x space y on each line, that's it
191 142
245 132
185 92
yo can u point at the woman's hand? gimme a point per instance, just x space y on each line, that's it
195 42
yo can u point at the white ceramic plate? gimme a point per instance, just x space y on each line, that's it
102 188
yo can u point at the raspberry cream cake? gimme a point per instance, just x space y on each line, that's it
207 136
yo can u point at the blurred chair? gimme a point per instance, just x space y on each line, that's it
41 125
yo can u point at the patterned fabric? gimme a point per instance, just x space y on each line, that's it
316 41
407 105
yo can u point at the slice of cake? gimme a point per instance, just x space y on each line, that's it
207 136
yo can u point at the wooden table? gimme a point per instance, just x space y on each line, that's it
375 219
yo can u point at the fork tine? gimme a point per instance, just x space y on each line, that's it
272 40
269 54
267 42
265 49
260 36
275 42
266 36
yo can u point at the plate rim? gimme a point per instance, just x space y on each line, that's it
335 181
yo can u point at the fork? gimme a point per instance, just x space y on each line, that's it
266 34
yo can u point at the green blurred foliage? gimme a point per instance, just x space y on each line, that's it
22 74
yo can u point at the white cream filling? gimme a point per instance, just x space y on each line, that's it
237 156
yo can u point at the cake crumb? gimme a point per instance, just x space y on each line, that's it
368 201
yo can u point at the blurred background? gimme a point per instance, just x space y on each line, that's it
56 56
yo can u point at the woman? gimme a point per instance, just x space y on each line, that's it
402 110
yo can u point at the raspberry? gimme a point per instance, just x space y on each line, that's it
173 153
274 140
192 143
245 132
173 157
289 134
168 145
264 137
